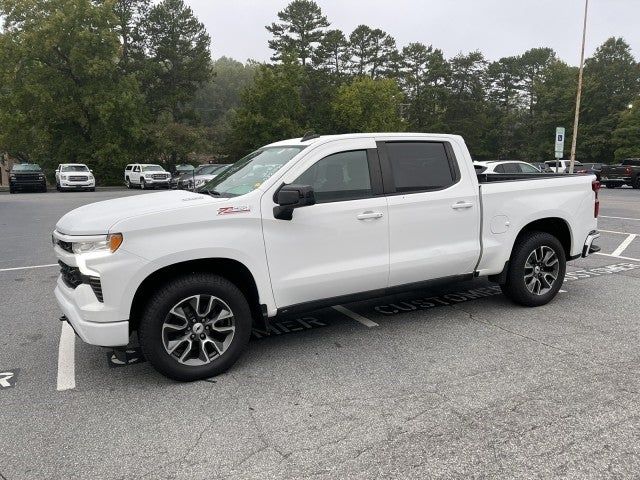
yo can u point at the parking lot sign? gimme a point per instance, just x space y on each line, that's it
559 142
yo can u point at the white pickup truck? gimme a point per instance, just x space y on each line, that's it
306 223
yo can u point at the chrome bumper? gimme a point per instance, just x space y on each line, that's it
588 247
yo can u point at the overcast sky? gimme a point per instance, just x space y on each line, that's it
496 27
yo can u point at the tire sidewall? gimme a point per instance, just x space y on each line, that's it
523 249
150 330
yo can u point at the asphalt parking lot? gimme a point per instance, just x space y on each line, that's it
452 383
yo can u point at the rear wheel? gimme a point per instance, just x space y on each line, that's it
536 269
636 182
195 327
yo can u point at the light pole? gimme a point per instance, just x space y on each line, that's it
576 117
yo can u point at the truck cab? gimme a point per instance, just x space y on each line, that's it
146 176
306 223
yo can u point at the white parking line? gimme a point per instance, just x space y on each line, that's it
619 218
614 232
357 317
28 268
625 243
618 256
66 358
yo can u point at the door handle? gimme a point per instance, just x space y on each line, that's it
367 215
460 205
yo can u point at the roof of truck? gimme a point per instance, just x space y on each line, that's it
347 136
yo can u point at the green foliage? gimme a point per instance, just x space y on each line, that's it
299 32
369 105
626 136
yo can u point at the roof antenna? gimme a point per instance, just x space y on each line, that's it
310 135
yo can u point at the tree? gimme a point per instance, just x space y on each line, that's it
626 136
62 96
332 54
177 47
611 81
271 109
368 105
370 50
130 15
299 32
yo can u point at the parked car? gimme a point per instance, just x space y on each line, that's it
586 168
625 173
562 166
505 166
146 175
74 176
305 223
179 171
200 176
26 176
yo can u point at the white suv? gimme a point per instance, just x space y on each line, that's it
146 175
74 176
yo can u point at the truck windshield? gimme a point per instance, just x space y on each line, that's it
74 168
152 168
26 167
250 172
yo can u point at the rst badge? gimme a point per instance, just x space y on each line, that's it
229 210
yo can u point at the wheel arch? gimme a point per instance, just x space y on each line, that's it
233 270
556 226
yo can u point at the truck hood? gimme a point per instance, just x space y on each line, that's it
98 218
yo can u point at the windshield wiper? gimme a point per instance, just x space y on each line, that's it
212 193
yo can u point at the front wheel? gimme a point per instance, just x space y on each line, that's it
143 184
536 269
195 327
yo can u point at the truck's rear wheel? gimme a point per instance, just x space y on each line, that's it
536 269
636 182
195 327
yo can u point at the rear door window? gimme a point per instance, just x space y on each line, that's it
420 166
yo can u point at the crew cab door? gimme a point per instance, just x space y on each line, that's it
434 211
135 174
340 245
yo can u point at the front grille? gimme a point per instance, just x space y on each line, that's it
159 176
72 277
78 178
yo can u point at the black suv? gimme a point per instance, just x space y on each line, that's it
27 176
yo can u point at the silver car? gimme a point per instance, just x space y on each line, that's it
200 176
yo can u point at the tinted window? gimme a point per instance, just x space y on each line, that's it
528 168
418 166
499 169
338 177
74 168
128 167
26 167
631 162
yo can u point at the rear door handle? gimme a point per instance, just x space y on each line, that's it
460 205
368 215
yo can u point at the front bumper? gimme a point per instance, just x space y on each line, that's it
589 247
105 334
27 184
77 185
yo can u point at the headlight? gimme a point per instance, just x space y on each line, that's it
12 176
63 177
200 182
108 243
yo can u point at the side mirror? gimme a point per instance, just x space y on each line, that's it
290 197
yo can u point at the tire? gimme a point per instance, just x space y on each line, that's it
92 189
12 190
636 182
159 330
57 186
533 249
127 182
43 189
143 184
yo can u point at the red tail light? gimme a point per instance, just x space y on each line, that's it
595 186
628 169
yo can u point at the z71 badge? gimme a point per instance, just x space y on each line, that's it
228 210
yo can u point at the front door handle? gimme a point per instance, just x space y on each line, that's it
460 205
367 215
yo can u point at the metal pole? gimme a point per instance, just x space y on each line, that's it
576 118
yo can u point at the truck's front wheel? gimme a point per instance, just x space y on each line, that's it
195 327
536 269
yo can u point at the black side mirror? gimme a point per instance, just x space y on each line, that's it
289 197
